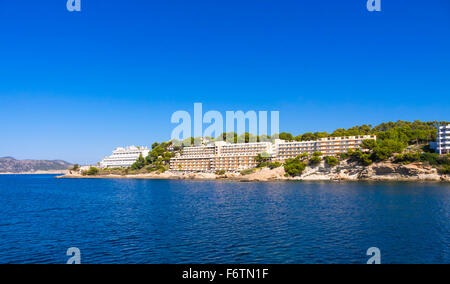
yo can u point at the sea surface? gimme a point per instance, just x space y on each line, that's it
158 221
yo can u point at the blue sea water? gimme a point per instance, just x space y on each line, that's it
158 221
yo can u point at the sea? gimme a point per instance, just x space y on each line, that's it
221 222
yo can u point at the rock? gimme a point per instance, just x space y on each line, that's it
345 171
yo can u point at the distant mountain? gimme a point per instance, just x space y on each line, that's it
11 165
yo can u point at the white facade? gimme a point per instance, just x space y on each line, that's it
124 157
237 157
443 140
330 146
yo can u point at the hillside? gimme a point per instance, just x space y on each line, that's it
11 165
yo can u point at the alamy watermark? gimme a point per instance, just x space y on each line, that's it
252 122
73 5
75 255
375 254
374 5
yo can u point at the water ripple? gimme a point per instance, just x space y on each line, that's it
145 221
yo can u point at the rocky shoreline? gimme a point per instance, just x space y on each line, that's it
417 172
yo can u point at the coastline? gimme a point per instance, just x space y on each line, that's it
345 172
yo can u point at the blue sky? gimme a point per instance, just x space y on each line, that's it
75 85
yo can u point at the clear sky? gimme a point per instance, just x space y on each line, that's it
75 85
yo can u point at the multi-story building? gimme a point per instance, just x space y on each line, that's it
443 140
238 157
330 146
220 156
124 157
241 156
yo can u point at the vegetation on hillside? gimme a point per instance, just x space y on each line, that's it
445 170
315 159
247 172
294 167
221 172
399 142
263 161
331 161
75 168
157 160
93 171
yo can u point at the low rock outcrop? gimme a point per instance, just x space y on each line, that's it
346 171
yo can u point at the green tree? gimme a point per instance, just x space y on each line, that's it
294 167
407 158
445 170
360 157
247 172
75 167
303 157
262 159
331 161
220 172
93 171
315 160
274 165
139 164
286 136
369 144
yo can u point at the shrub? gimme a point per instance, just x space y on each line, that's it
262 160
294 167
221 172
247 172
360 157
139 164
435 159
315 160
151 169
269 165
303 156
162 168
392 146
381 154
407 158
75 167
445 170
274 165
365 160
344 156
262 165
331 161
385 149
92 171
369 144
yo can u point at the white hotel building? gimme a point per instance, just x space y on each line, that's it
237 157
443 140
124 157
